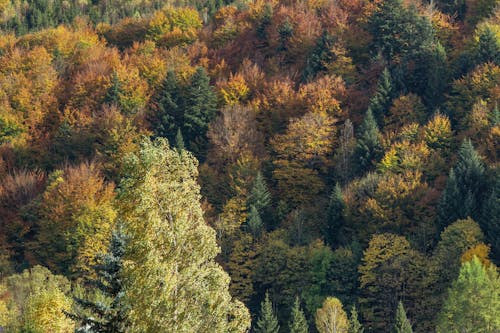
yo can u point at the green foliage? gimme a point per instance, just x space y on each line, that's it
267 322
260 197
473 301
332 230
298 323
368 147
354 324
254 222
382 99
108 315
465 187
401 324
175 249
167 118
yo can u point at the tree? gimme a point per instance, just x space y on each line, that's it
298 323
401 323
254 222
465 187
185 289
491 215
368 148
114 91
38 300
199 109
332 231
167 116
260 197
382 99
331 318
108 316
179 140
267 322
473 302
354 324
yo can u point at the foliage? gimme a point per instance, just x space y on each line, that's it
331 317
267 322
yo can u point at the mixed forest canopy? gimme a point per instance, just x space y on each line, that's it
262 166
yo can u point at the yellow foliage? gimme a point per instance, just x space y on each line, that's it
437 132
234 90
480 251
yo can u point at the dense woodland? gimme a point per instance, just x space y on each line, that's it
262 166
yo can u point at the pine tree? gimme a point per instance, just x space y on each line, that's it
254 222
110 316
199 109
335 219
402 324
465 187
260 197
368 147
490 215
320 55
298 322
179 140
354 324
382 99
267 322
167 116
114 91
488 48
172 275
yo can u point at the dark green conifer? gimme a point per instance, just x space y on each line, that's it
335 219
167 116
382 99
368 147
254 222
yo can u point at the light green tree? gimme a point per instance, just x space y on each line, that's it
267 322
172 281
298 323
401 324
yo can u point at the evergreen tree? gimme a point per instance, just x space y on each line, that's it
488 48
402 324
320 55
114 91
382 99
490 215
109 316
335 219
298 322
267 322
368 146
254 222
199 109
260 197
473 302
167 116
179 140
172 280
354 324
465 187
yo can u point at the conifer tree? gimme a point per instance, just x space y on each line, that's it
254 222
382 99
354 324
368 147
199 109
179 140
267 322
335 219
401 324
298 322
114 91
490 215
167 116
465 187
260 197
109 316
488 47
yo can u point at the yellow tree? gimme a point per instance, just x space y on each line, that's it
331 318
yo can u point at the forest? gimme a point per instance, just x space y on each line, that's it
256 166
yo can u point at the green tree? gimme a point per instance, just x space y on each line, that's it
114 91
267 322
332 230
382 99
473 302
108 315
368 147
465 187
491 215
260 197
199 109
254 222
167 113
172 280
401 324
298 323
354 324
179 140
